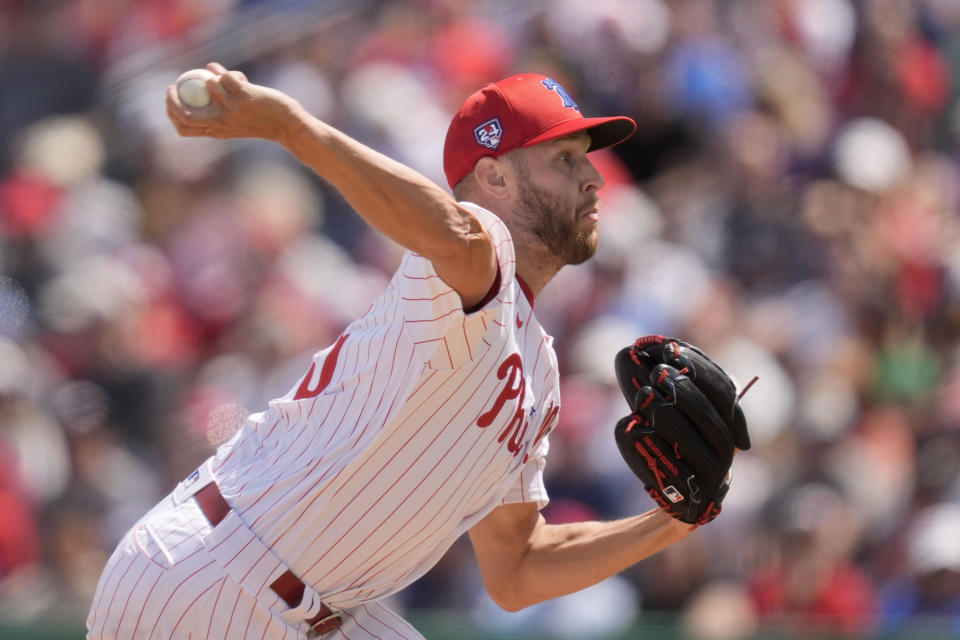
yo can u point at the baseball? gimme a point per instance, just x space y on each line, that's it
192 87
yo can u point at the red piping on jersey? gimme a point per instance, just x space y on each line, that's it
527 291
494 290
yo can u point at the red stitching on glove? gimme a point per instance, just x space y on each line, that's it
652 463
660 500
645 340
646 403
713 510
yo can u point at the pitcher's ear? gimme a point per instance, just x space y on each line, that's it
491 177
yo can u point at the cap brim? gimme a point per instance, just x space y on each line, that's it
604 132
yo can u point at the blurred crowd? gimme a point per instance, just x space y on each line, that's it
790 203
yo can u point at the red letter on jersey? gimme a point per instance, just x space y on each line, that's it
511 368
326 373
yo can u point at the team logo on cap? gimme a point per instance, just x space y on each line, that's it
568 101
489 134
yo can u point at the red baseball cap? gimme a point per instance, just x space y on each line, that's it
521 111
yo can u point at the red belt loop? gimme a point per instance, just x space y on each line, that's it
289 587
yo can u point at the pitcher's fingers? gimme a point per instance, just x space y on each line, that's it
175 108
217 68
218 93
185 129
182 114
233 82
188 131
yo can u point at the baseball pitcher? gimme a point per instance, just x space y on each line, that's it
429 417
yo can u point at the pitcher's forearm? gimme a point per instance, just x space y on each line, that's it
393 198
569 557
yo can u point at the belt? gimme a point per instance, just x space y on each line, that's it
289 587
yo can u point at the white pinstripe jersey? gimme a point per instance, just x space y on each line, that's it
415 424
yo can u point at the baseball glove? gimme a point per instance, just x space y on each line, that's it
684 427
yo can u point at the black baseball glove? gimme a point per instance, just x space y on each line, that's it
685 424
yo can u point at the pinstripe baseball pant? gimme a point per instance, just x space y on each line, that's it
163 582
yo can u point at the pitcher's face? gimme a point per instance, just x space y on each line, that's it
557 199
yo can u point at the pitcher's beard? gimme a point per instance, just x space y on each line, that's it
560 235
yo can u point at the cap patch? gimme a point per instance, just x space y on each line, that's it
553 85
489 134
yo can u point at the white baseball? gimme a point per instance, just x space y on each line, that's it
192 87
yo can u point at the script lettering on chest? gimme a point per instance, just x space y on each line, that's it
510 370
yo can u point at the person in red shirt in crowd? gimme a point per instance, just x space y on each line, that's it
810 580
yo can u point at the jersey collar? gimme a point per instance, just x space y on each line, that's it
527 291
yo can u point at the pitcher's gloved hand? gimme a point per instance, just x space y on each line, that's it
684 427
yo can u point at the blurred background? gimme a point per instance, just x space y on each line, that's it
790 203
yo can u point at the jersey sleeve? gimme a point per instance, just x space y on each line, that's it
434 319
529 486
